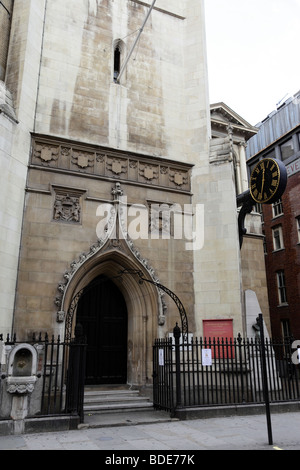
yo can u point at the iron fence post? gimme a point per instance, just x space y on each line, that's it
177 332
76 374
265 378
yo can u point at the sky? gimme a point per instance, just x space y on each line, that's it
253 54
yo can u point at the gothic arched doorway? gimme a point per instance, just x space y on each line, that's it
102 312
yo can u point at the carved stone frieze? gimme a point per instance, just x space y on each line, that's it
149 172
74 157
179 178
116 166
83 160
46 153
20 385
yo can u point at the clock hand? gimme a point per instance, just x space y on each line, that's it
263 182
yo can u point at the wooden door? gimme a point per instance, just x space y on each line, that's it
102 313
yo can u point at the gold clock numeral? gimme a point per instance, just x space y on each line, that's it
275 174
255 193
274 183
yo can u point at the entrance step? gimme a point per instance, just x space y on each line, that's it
118 405
114 399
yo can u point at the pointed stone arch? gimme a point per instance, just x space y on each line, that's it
145 304
142 301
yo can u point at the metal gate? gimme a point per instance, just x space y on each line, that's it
211 372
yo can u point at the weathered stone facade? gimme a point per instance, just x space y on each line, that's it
6 9
83 142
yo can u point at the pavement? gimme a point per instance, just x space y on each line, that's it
155 433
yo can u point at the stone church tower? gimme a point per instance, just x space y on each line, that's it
108 171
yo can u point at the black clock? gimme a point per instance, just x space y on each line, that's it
268 181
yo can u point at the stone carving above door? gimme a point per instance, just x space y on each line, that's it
67 208
67 205
108 243
74 157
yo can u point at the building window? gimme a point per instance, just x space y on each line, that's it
285 329
117 62
277 208
298 227
259 209
265 246
271 154
277 238
282 297
286 336
287 149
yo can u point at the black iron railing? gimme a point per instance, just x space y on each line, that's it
212 371
60 373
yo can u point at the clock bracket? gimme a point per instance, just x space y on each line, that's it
247 202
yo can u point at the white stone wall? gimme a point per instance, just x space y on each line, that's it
217 280
162 99
22 81
10 224
217 271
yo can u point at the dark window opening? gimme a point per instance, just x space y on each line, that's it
117 63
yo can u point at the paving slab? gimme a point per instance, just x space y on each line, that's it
168 437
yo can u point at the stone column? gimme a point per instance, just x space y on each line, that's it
243 167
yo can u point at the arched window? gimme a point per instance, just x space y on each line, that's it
117 62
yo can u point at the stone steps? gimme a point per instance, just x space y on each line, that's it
117 399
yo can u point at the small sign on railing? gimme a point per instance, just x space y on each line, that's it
161 357
206 357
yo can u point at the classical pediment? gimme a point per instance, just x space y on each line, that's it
222 116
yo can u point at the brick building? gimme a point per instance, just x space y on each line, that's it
279 137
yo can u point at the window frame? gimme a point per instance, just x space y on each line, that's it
277 237
285 328
118 54
277 206
298 227
283 159
117 62
281 288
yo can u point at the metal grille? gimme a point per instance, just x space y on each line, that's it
233 374
60 373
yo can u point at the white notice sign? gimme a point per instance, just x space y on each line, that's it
161 360
206 357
